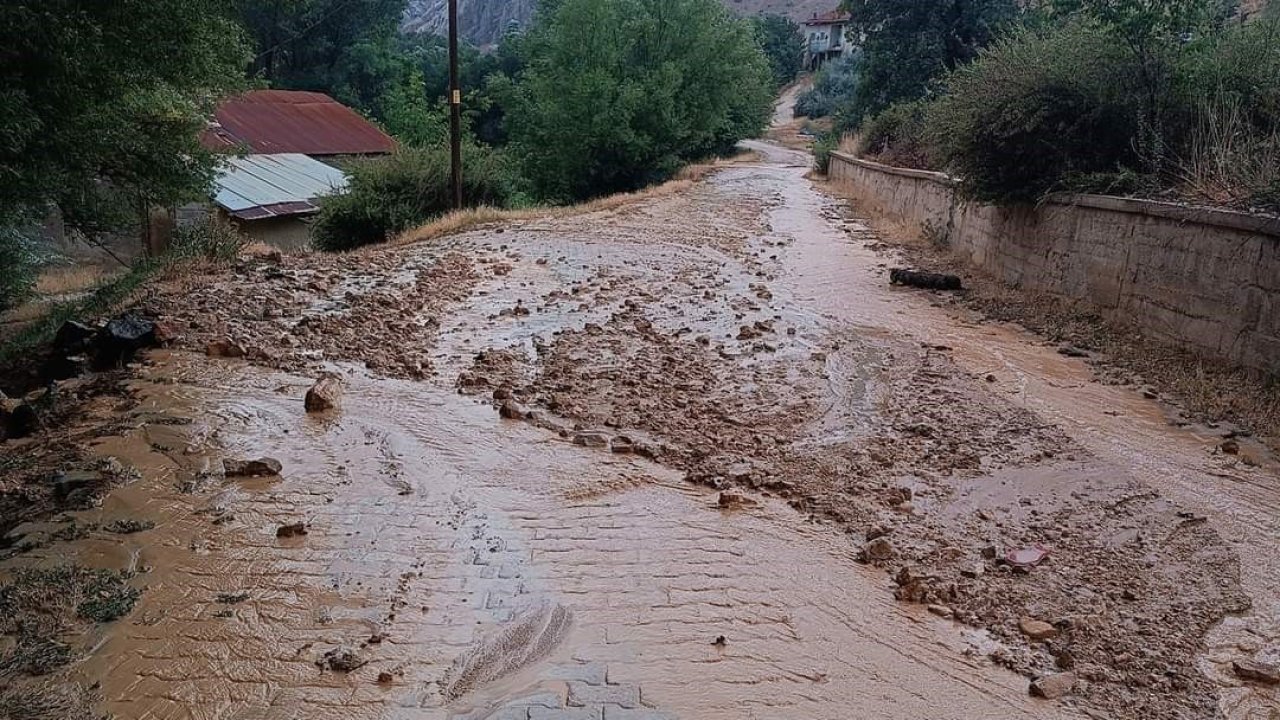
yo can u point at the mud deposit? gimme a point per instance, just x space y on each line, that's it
690 458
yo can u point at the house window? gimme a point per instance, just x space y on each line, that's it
837 36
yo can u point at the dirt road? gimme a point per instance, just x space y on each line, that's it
688 458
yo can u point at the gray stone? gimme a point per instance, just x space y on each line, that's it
612 712
578 713
593 673
581 694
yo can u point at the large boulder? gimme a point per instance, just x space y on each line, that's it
325 395
122 338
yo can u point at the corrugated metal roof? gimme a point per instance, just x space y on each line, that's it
260 186
286 121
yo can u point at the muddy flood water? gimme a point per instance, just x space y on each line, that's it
688 458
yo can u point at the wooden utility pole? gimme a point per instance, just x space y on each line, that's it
455 107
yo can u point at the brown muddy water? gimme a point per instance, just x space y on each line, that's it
434 527
488 568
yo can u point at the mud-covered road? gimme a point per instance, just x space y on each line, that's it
692 458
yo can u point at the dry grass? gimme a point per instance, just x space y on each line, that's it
460 221
1206 390
74 279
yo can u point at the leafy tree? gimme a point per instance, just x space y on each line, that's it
1155 33
101 104
619 93
346 48
783 44
908 43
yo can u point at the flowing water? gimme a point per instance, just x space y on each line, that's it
485 568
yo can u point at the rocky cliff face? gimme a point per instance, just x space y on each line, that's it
483 22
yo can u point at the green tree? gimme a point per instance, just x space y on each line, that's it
346 48
908 43
619 93
101 104
1156 33
783 44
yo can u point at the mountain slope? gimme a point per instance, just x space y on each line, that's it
484 21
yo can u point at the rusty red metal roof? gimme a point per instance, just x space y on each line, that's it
288 121
829 18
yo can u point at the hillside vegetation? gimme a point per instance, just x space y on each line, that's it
1176 100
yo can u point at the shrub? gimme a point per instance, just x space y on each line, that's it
826 144
1038 111
213 239
834 88
1229 161
387 196
20 262
897 136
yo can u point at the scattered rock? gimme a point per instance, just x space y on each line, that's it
591 438
1072 351
1150 394
511 410
1037 630
122 338
878 550
341 659
224 349
720 641
290 530
941 611
75 486
1229 447
1257 672
385 678
231 598
622 445
1052 687
262 467
730 500
325 395
74 337
748 332
22 422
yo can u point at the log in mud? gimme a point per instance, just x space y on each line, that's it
688 458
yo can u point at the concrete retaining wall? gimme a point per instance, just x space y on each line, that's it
1206 279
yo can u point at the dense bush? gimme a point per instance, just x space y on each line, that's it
1229 153
834 88
1040 110
897 136
618 94
387 196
